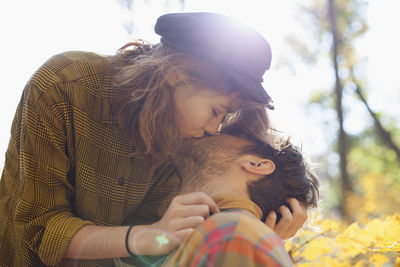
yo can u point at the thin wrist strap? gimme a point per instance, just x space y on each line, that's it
126 241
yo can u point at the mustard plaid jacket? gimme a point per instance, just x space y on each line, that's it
68 165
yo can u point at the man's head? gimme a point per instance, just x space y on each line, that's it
234 163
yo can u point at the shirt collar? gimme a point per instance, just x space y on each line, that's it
228 201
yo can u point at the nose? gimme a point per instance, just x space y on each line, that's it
212 127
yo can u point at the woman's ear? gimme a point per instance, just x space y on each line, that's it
174 77
257 165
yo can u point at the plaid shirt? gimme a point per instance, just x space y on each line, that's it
235 237
69 165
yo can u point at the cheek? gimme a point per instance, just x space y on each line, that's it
195 118
191 118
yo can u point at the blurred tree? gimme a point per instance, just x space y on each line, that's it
342 136
385 135
129 5
339 23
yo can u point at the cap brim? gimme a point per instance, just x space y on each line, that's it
251 89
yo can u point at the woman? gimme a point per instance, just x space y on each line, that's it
91 137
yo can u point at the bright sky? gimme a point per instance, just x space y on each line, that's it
33 31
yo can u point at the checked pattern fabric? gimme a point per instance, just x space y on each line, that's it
234 237
69 165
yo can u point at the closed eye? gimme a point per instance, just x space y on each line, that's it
214 112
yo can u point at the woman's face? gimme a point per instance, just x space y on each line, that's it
200 111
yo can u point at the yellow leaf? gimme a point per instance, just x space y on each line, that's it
360 263
353 241
316 248
378 259
397 263
289 244
328 261
327 225
305 265
387 233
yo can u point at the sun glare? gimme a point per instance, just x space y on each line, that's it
32 31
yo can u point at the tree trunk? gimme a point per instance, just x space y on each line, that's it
384 134
342 137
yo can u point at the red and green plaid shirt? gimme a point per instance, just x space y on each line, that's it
233 238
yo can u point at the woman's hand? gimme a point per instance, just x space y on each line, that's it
292 219
183 215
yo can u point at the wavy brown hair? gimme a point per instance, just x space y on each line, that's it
144 103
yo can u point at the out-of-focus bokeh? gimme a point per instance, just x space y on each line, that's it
334 80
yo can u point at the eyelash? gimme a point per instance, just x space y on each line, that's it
214 113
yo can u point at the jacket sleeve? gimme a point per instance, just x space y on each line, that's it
44 212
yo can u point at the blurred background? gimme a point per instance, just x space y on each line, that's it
334 78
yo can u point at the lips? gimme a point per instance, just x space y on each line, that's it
198 136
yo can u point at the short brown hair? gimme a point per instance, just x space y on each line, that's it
145 106
293 176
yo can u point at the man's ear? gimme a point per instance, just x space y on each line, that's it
257 165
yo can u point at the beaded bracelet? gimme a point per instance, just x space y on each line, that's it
126 241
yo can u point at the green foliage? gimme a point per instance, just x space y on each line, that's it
368 154
373 239
319 97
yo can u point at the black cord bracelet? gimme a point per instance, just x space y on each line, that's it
126 241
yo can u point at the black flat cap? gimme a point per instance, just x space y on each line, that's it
237 49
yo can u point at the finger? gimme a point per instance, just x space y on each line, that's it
299 213
283 228
182 211
271 220
298 209
198 198
189 222
195 210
